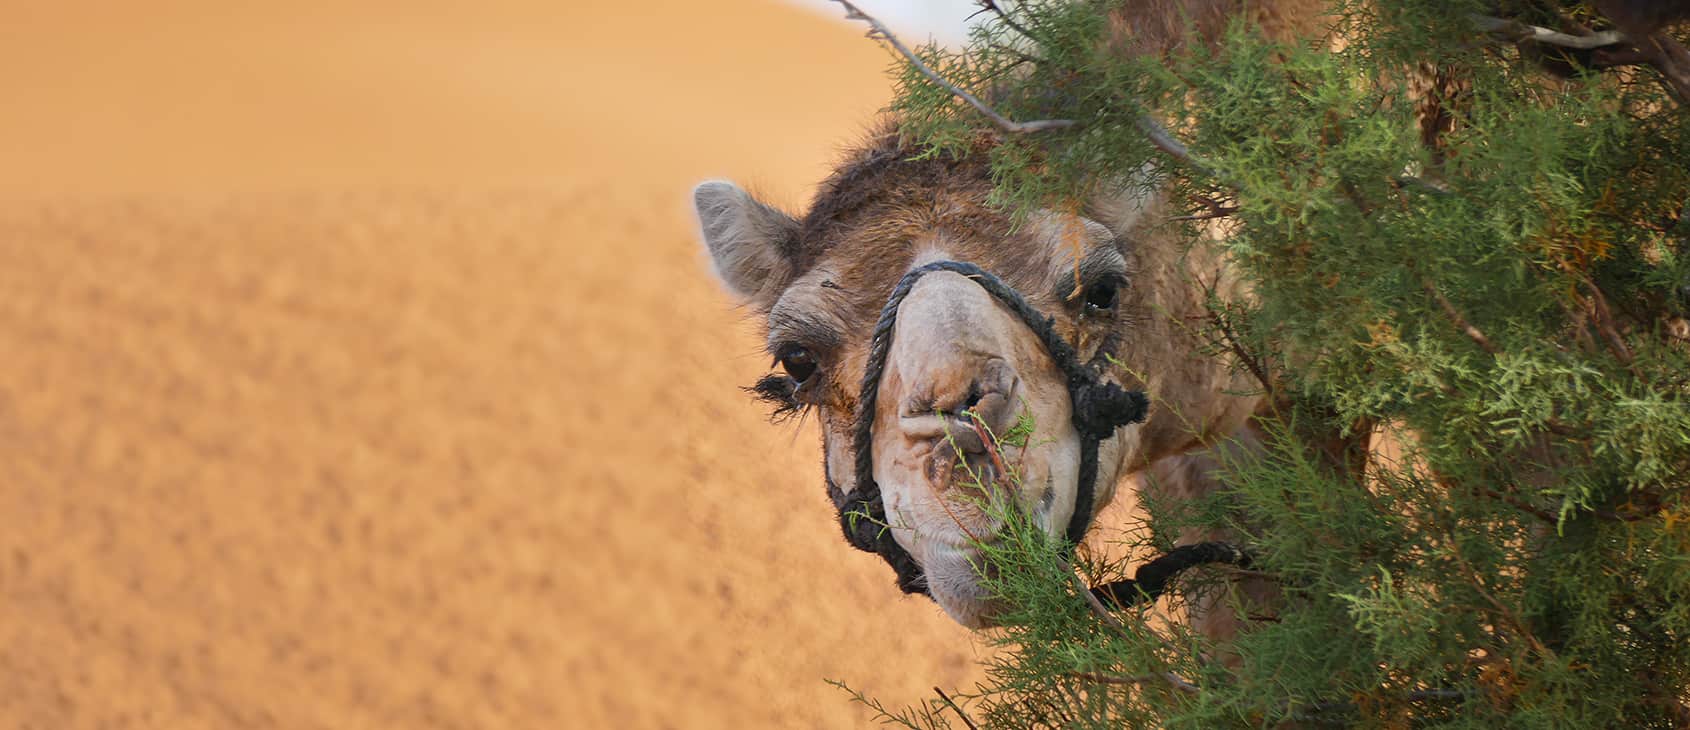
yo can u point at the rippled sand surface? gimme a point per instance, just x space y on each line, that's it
358 369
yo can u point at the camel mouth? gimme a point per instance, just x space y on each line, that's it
960 370
981 479
971 487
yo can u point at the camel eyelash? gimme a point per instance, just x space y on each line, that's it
780 392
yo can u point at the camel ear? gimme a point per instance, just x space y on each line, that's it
753 246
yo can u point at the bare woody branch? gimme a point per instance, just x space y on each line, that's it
1213 214
966 720
1170 145
880 31
1096 606
1421 184
1003 16
1255 365
1518 31
1671 58
1424 695
1473 333
1604 319
1243 354
1152 129
1172 679
1633 44
1523 506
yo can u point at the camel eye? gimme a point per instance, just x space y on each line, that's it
797 362
1102 295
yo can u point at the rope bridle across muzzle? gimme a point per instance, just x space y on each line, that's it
1098 408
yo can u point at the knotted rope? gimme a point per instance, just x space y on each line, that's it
1098 408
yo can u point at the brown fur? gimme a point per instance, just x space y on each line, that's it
881 184
869 217
1169 27
885 207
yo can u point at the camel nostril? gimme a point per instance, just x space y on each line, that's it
972 398
992 410
957 410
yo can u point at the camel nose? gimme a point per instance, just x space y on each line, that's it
953 400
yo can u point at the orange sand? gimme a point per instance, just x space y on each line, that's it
361 371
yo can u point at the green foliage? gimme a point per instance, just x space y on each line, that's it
1506 302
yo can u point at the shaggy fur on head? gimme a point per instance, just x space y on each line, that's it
820 280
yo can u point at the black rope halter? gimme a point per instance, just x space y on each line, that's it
1099 407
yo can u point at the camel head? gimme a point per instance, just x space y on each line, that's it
957 358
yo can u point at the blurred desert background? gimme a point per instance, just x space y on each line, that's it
359 369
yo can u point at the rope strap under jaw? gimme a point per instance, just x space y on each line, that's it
1152 578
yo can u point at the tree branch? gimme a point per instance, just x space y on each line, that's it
1233 345
1096 606
1671 58
1216 209
877 30
1169 144
1442 695
1523 506
1645 28
1003 17
1633 44
1214 215
1460 322
1020 56
1172 679
1421 184
1158 134
1518 31
1604 320
966 720
1617 57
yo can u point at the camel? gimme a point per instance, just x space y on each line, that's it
819 282
1112 276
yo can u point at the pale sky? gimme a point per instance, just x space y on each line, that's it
913 20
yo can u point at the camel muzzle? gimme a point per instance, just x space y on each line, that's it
1098 406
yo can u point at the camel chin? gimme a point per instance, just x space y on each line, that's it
948 481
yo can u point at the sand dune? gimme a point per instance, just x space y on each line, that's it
360 370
